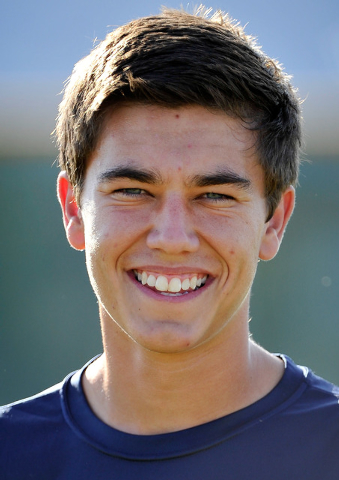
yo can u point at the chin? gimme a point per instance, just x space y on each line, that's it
168 338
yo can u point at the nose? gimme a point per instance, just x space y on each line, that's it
172 230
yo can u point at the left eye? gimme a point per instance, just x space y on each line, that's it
217 196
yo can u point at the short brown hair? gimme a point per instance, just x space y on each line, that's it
175 59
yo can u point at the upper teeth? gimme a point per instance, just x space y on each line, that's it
173 284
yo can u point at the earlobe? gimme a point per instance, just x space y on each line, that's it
71 212
275 227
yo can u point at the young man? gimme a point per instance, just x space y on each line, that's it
179 148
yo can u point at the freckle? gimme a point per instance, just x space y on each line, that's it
231 252
177 115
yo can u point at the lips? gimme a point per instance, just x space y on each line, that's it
177 285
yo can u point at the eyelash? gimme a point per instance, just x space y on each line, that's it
131 192
217 197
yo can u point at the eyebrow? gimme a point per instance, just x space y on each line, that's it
221 177
132 173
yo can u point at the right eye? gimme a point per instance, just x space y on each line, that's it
130 192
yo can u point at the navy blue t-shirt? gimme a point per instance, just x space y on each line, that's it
290 434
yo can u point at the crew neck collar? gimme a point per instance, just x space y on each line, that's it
101 436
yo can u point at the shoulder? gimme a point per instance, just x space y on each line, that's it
35 411
320 390
322 394
34 434
313 405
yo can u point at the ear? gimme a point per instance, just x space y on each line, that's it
71 212
275 227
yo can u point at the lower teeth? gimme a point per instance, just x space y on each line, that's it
167 294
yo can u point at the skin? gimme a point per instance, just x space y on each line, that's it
174 192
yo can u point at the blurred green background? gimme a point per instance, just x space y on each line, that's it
48 314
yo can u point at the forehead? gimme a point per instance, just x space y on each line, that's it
187 138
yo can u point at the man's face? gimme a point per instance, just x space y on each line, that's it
173 218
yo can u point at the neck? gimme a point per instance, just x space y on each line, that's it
143 392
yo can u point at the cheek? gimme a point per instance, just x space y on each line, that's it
113 227
108 234
229 234
124 222
237 242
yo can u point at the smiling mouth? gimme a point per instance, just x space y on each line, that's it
171 286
